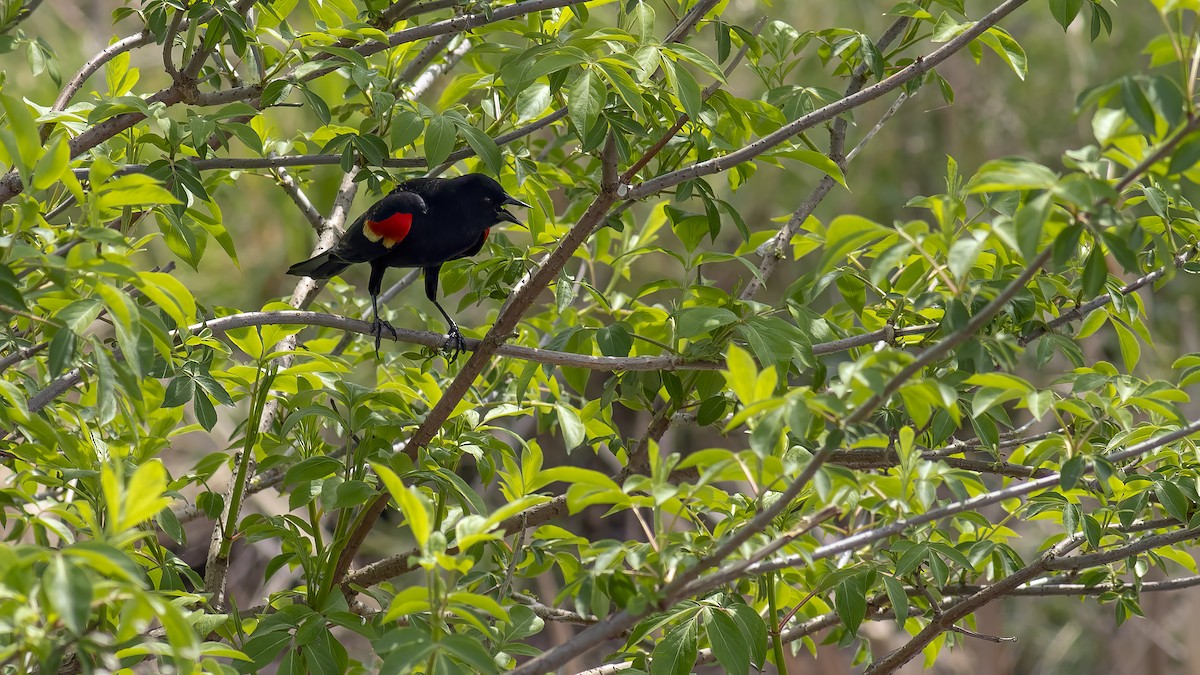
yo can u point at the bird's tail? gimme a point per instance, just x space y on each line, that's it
320 266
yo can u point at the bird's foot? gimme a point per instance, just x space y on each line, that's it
377 328
454 345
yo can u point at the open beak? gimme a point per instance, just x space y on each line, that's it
501 214
509 200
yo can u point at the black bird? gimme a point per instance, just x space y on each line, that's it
423 223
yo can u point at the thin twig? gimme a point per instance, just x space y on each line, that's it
950 615
916 69
866 537
291 161
1099 301
554 613
96 63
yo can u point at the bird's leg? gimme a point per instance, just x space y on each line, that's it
374 285
455 343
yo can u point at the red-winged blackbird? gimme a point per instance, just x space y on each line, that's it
423 223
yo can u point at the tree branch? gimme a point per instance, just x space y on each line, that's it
917 68
1081 311
861 539
946 620
96 63
311 214
289 161
435 340
1122 552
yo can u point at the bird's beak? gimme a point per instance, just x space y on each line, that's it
509 200
501 214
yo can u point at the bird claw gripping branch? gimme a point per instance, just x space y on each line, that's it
454 345
377 328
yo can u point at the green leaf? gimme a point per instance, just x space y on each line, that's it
264 648
693 321
1173 501
1095 273
70 593
1028 222
22 139
676 653
641 21
63 347
615 339
585 100
51 166
408 601
845 234
484 146
1072 470
818 161
755 630
697 58
729 644
850 602
573 431
897 597
212 224
144 495
741 373
1003 175
1007 49
312 468
1065 11
1185 156
134 189
711 410
106 384
1131 351
533 101
622 81
126 320
10 293
963 254
1137 106
411 503
318 104
406 128
439 139
574 475
688 91
472 652
912 557
169 294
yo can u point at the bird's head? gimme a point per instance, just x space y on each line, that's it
492 196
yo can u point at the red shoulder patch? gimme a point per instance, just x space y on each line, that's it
392 230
